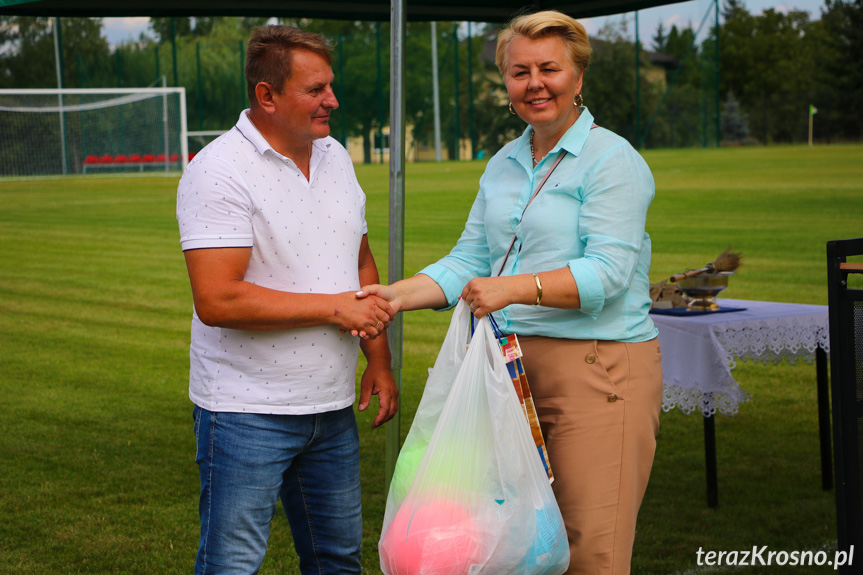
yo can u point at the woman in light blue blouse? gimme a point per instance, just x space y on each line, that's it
568 274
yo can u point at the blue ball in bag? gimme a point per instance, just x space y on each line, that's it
548 547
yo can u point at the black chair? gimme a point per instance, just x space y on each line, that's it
845 298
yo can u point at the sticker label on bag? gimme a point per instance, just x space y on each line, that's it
510 348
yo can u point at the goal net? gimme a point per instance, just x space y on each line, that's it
75 131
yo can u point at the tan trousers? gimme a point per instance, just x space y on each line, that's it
598 404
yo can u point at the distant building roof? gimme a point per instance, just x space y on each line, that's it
663 60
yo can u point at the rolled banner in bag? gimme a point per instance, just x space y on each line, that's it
512 356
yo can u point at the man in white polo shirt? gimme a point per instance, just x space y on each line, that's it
272 226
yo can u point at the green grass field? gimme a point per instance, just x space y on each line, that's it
97 471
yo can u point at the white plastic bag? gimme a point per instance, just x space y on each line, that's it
469 494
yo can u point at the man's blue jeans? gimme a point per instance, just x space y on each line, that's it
248 461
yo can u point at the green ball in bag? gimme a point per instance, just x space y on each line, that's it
406 470
446 470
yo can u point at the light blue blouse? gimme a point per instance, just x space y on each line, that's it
590 216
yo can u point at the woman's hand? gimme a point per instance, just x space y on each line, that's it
487 295
415 292
386 293
364 317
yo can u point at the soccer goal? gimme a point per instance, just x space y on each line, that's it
84 131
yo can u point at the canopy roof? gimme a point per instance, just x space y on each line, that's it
453 10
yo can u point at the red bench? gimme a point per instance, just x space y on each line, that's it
132 160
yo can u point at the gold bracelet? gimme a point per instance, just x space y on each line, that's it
538 289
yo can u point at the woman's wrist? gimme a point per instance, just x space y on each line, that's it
538 289
526 291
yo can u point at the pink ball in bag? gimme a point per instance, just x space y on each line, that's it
431 538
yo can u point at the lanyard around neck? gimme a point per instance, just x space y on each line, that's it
535 192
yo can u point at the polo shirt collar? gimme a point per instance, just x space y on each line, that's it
251 133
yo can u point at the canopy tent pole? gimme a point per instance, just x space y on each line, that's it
397 211
637 86
58 59
716 66
435 92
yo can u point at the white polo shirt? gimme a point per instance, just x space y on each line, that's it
305 237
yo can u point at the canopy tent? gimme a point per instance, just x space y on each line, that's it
397 12
452 10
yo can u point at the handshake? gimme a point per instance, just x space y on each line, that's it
380 303
368 312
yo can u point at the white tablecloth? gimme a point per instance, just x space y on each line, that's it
699 351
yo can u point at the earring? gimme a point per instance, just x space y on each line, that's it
579 100
511 111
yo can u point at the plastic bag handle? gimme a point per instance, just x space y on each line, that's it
474 322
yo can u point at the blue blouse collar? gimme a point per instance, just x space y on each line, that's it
573 140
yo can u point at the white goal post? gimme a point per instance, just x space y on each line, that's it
82 131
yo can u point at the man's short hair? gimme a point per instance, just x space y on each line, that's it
268 57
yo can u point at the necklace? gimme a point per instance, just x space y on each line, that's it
533 151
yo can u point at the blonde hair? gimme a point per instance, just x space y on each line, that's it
543 25
268 58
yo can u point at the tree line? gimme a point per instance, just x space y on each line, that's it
678 89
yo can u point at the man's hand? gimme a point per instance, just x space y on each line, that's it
378 380
367 317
